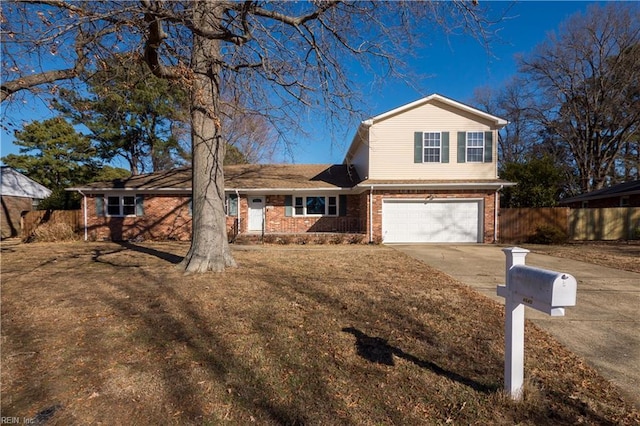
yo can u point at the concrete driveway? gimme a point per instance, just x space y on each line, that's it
603 327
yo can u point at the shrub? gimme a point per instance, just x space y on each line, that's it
51 232
269 239
320 239
337 239
356 238
302 239
548 234
284 239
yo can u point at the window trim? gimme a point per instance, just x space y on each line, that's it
302 207
121 205
439 147
467 147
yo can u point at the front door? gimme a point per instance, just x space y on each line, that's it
256 214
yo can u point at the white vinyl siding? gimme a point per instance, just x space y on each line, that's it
391 145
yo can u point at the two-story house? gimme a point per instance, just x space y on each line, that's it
423 172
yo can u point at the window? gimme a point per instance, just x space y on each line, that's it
431 146
299 206
315 206
231 205
332 206
122 205
475 147
624 201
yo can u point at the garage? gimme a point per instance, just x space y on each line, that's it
432 221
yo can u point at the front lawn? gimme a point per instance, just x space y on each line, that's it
103 333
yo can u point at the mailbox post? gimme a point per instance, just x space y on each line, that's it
546 291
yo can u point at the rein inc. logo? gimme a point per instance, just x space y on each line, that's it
39 419
17 420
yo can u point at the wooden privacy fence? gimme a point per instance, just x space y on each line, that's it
31 220
519 224
613 223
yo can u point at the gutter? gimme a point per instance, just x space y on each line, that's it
447 185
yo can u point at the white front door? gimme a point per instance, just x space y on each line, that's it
256 214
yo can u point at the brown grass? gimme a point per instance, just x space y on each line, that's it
620 255
101 333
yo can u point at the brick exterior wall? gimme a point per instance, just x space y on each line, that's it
167 217
277 222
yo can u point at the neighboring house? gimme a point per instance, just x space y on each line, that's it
622 195
424 172
18 194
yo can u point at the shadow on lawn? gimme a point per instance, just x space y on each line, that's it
169 257
377 350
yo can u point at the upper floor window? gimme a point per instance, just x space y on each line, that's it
624 201
475 147
431 146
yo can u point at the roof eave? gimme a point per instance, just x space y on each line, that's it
438 185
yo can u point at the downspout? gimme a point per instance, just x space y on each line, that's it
238 209
84 198
371 214
495 214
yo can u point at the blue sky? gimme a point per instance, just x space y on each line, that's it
457 65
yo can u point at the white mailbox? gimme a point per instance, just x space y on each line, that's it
541 289
546 291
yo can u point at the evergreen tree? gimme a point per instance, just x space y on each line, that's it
131 113
540 183
55 155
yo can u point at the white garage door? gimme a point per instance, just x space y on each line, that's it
433 221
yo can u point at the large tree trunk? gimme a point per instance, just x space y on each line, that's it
210 249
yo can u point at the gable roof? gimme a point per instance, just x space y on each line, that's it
620 190
499 122
363 128
14 183
243 177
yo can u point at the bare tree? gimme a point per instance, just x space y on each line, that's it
514 103
586 78
277 58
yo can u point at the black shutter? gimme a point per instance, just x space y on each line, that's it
343 205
